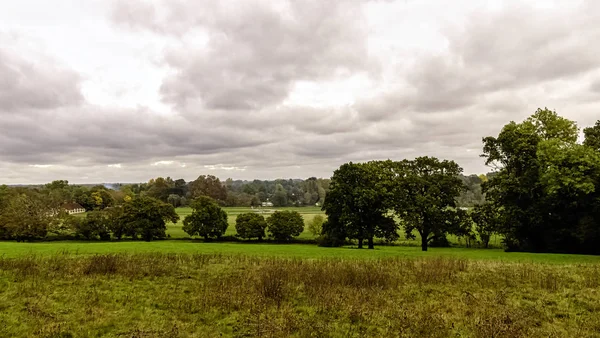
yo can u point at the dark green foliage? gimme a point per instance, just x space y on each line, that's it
210 186
462 226
25 216
250 225
357 204
207 220
94 226
332 234
425 191
487 221
592 136
547 185
283 225
143 217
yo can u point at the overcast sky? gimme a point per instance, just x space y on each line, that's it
123 91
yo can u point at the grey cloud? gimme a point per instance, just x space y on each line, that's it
595 86
27 85
512 49
256 50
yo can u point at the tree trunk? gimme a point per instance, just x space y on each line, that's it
360 241
424 243
371 246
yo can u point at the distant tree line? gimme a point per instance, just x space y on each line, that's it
280 193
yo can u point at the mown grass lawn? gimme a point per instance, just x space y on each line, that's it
308 251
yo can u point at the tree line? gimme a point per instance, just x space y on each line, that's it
543 195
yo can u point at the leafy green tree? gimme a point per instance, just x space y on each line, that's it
487 221
207 219
26 217
116 222
208 185
250 225
146 217
592 136
283 225
315 226
535 160
358 202
424 197
95 225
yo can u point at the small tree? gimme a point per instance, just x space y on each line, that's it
250 225
283 225
315 226
207 219
487 220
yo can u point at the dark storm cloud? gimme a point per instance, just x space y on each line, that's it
255 51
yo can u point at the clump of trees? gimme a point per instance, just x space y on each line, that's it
365 197
547 184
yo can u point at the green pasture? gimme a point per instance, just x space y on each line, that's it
303 251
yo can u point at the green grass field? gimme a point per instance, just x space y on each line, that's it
304 251
221 295
185 287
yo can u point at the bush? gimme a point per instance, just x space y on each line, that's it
327 240
250 225
315 226
283 225
439 242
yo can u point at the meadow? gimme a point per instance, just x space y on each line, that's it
184 287
212 295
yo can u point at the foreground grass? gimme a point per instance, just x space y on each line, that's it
306 251
204 295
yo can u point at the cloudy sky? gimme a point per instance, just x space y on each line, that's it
122 91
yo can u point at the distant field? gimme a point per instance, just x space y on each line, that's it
307 213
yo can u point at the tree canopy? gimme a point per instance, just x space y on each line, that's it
547 184
207 220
